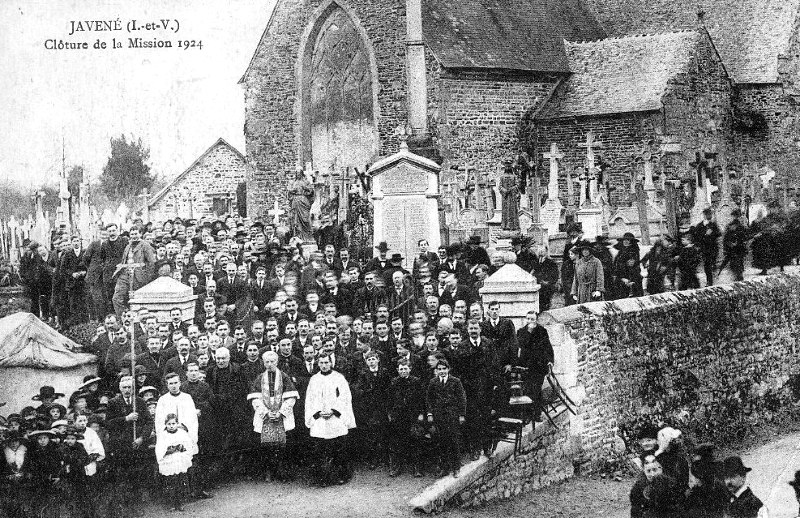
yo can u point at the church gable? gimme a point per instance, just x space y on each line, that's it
620 75
750 35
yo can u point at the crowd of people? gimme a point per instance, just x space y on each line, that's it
290 368
678 482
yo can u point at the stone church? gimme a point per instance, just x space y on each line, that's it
339 83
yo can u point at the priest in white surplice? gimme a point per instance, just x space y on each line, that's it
329 417
273 395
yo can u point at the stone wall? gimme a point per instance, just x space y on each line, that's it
622 136
272 120
718 362
215 175
765 130
478 115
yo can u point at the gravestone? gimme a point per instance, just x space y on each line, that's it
550 214
405 193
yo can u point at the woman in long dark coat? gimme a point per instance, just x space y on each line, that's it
568 275
42 281
546 272
627 270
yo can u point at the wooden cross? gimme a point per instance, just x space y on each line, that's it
553 156
276 212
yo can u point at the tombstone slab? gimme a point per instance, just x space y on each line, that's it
405 192
515 289
550 215
591 220
162 295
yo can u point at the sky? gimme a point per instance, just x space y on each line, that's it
178 101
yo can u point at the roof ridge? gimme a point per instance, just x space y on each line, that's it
633 36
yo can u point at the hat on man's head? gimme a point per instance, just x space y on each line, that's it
630 237
36 433
396 257
47 392
382 247
474 240
733 465
453 249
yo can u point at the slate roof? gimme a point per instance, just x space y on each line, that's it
749 34
220 141
620 75
524 35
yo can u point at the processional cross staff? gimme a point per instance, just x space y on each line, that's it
131 266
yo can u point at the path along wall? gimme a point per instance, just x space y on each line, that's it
718 363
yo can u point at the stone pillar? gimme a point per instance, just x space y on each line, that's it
415 69
516 291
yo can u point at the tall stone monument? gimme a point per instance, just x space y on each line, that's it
552 209
590 213
405 194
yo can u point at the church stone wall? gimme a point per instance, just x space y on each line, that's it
718 363
621 135
773 144
217 175
272 124
478 114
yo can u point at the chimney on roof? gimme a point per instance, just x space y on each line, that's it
415 70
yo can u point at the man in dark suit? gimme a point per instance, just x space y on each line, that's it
262 292
499 330
454 265
425 257
446 402
94 278
231 287
475 253
380 263
368 297
292 314
454 291
127 457
336 294
743 503
534 352
706 237
229 406
345 262
400 298
111 253
180 363
329 259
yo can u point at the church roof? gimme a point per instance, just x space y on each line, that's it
522 35
220 142
620 75
749 34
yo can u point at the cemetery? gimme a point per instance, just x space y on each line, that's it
469 250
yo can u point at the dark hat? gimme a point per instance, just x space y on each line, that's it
71 430
396 257
89 379
580 245
705 450
733 465
77 395
474 240
574 227
453 249
629 236
241 234
101 408
47 392
796 482
382 247
14 436
257 224
28 412
140 370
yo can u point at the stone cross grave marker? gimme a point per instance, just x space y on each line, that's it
276 212
551 212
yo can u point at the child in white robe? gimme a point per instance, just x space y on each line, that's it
174 456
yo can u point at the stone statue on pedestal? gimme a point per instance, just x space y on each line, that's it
301 197
509 189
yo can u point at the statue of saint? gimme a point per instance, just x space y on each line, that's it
301 196
509 190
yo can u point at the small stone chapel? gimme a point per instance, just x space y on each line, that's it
472 84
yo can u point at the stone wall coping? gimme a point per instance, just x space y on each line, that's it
638 304
434 497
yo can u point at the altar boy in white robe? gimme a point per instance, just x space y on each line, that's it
329 417
273 395
182 405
